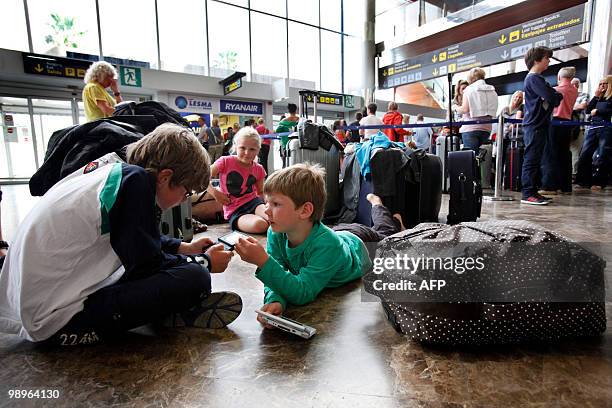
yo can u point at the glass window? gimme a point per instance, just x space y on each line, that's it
432 12
269 61
60 26
49 116
229 31
331 62
184 49
306 11
128 30
388 26
16 145
330 14
13 32
304 53
276 7
354 17
353 65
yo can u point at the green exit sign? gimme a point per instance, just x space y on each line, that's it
130 76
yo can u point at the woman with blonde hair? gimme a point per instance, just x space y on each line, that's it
594 172
98 103
479 103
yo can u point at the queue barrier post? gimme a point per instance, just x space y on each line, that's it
499 165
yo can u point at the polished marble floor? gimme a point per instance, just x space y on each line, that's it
355 360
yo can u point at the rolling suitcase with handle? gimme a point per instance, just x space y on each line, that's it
465 191
315 144
443 146
329 160
514 162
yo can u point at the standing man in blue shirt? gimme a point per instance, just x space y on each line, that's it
540 99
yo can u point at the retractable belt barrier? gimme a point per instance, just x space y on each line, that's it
501 120
554 122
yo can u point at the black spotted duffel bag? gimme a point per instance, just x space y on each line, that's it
495 282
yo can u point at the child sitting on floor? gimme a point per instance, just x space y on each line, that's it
88 262
241 184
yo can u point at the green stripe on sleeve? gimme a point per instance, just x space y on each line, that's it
108 196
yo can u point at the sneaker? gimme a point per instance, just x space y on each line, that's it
547 192
581 189
215 312
596 188
534 200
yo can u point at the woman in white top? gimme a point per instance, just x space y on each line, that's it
479 103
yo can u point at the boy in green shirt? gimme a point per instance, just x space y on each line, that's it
303 256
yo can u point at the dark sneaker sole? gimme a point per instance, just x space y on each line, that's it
220 309
534 202
215 312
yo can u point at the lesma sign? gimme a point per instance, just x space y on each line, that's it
194 103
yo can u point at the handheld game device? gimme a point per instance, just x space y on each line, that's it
287 324
229 240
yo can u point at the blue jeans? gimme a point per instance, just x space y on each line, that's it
473 140
594 162
535 140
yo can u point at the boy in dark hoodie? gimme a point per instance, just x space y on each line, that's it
540 99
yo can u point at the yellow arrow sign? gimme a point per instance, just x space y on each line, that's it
502 39
38 68
385 72
434 58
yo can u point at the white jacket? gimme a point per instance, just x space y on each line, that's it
61 253
482 99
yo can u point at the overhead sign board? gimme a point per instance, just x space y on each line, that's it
54 66
558 30
232 82
327 98
232 86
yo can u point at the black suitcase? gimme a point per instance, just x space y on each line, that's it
514 165
465 191
389 170
424 189
533 286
